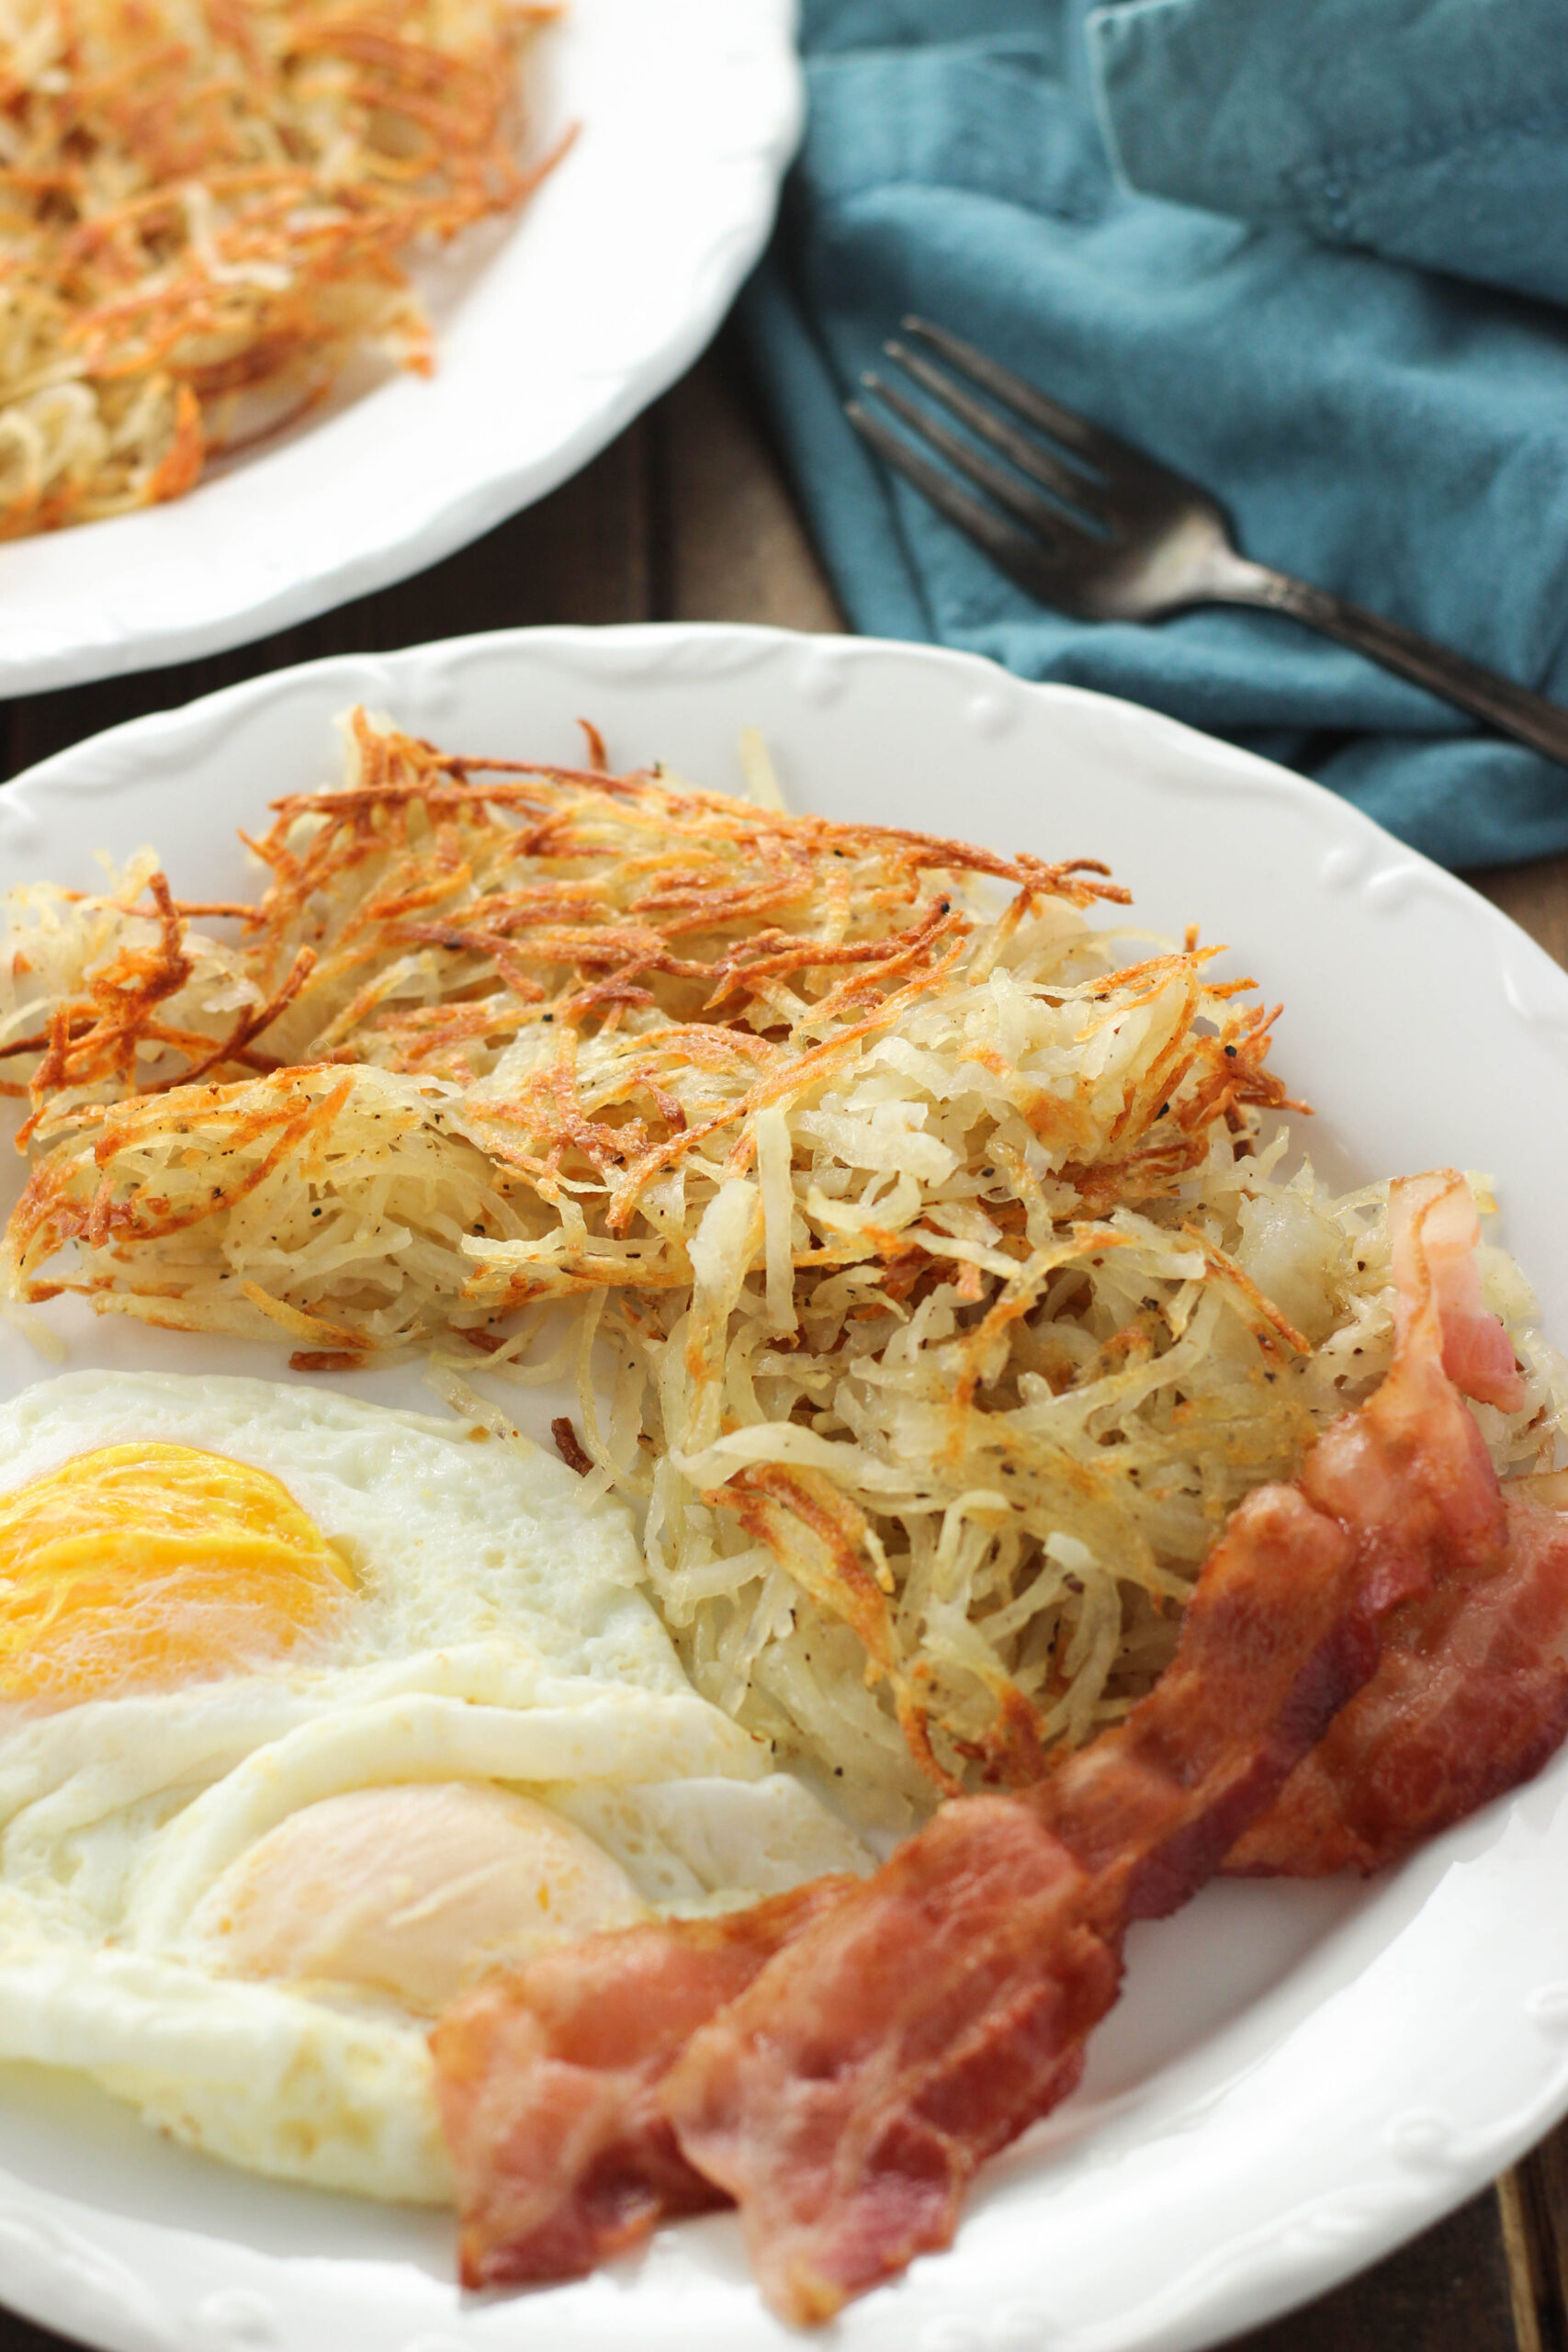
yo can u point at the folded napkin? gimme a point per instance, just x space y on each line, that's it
1394 433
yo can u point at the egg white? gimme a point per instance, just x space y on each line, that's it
496 1638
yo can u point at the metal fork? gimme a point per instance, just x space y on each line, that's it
1123 539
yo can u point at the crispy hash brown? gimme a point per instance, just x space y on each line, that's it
921 1238
203 204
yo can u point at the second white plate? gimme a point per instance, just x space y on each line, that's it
553 329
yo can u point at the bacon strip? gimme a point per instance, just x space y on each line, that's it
847 2097
1469 1700
548 2085
845 2093
1477 1355
1470 1694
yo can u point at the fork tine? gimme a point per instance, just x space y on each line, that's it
1011 551
1044 521
1064 424
1079 488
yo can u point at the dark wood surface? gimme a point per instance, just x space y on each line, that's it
685 518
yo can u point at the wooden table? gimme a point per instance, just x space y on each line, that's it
686 518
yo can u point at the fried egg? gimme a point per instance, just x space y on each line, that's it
311 1712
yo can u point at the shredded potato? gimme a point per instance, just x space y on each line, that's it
925 1256
202 207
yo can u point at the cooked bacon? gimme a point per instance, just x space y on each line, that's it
1470 1699
1409 1474
844 2094
1477 1355
847 2097
1274 1640
1471 1694
546 2079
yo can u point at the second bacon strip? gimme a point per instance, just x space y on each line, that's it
840 2068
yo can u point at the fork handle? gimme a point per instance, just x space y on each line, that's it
1529 718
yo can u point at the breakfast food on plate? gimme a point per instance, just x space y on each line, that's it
204 211
947 1289
310 1712
998 1411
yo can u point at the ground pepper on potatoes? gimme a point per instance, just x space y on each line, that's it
921 1252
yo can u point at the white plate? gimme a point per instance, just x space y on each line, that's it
1298 2077
554 329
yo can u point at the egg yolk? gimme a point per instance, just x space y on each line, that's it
412 1889
144 1566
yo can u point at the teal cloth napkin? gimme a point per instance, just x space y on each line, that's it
1329 297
